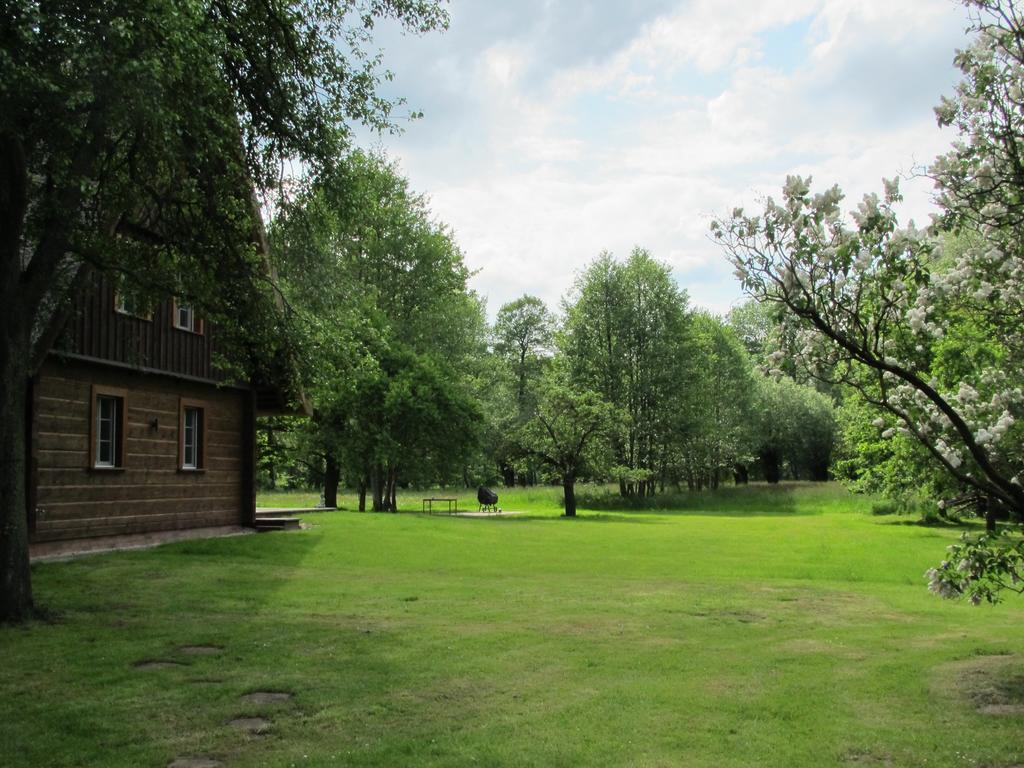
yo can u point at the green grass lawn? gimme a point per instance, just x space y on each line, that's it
753 627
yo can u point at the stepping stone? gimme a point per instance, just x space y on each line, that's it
201 650
195 762
1002 709
254 725
157 664
267 697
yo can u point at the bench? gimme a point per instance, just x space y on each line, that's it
453 503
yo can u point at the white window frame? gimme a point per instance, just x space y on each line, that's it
191 426
192 435
108 417
189 313
122 307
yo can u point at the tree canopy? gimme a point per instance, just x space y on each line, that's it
379 298
626 337
569 433
133 140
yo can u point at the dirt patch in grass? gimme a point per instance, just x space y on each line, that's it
200 650
257 726
590 628
465 696
157 664
1002 709
866 757
811 645
829 607
732 687
195 762
993 685
727 616
267 697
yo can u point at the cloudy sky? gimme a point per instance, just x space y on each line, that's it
555 129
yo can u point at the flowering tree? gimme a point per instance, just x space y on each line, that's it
877 306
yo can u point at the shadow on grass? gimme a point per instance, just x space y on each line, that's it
582 516
938 525
917 522
148 587
251 569
732 501
762 500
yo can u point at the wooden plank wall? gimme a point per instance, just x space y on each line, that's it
97 330
150 493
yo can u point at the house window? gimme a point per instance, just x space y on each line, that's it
192 448
184 318
128 301
108 428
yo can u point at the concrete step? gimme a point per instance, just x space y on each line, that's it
277 523
284 511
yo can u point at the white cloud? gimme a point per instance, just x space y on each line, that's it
713 34
540 158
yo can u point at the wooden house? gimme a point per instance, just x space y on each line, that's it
134 431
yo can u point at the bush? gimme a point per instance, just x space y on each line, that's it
931 516
885 507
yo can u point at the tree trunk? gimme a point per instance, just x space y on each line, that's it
391 496
569 489
332 476
362 494
770 466
377 488
272 451
521 393
987 510
819 470
740 475
15 575
15 356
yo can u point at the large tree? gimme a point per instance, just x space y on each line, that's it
713 426
569 432
131 139
379 296
793 429
876 303
754 325
626 337
522 337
